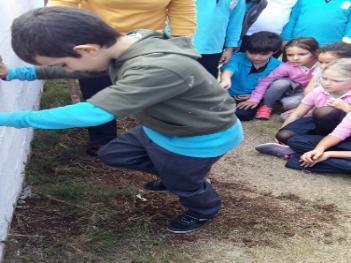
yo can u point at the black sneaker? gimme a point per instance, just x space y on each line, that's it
186 224
155 186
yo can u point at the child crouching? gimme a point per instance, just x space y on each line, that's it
244 71
187 120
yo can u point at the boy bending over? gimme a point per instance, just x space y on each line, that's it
187 120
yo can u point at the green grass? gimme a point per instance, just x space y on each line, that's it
75 214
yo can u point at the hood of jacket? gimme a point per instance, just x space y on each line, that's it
154 42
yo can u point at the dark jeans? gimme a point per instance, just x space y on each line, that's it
210 63
182 175
104 133
323 121
304 143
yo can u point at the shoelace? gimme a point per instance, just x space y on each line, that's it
188 219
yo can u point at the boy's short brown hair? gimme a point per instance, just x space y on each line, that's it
55 31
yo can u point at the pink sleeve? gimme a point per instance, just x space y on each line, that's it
280 72
309 99
343 130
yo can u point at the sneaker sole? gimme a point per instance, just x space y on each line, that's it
186 231
153 189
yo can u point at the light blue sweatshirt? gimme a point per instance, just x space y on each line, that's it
244 82
326 22
218 25
85 114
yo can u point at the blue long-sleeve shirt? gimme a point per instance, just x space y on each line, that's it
218 25
86 114
326 22
244 82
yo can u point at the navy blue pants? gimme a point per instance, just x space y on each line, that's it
304 143
104 133
183 176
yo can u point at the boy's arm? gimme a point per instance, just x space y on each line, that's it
44 72
141 87
82 114
20 73
181 14
57 72
288 29
226 76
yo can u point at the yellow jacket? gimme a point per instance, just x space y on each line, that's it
128 15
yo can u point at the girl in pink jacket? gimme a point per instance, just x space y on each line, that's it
286 82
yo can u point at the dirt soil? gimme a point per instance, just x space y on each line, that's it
270 213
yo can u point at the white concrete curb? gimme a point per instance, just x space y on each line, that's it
14 96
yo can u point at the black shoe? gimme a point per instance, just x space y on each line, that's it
186 224
92 149
155 186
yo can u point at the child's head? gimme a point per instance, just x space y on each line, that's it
261 46
336 76
59 32
302 51
263 42
332 52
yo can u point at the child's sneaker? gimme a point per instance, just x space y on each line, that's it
263 113
275 149
186 223
155 186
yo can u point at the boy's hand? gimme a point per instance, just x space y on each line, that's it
340 104
3 69
225 83
247 105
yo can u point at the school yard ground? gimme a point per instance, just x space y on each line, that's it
75 209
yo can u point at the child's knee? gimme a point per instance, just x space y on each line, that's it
280 84
327 118
283 135
327 113
106 156
291 102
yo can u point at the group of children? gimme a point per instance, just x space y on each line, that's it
187 118
313 86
